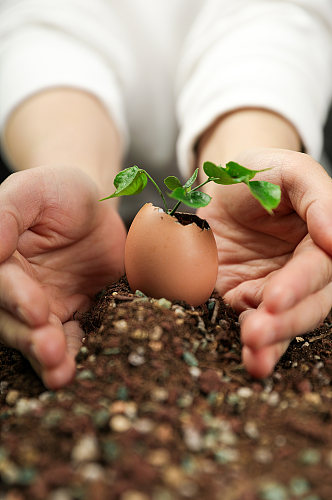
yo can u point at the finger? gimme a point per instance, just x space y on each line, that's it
55 378
307 272
74 335
263 328
46 344
247 295
61 375
21 295
305 183
17 213
260 363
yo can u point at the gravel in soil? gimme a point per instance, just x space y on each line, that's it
161 408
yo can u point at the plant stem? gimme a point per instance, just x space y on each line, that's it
176 206
158 189
209 179
174 209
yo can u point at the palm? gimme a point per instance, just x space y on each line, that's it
72 253
59 247
251 243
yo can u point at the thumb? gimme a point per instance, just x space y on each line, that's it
310 192
20 206
305 185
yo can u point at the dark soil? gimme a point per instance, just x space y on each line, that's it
162 409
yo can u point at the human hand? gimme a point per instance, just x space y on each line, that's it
59 246
275 270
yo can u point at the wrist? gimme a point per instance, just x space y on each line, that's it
64 127
244 129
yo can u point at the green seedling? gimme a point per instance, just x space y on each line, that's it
133 180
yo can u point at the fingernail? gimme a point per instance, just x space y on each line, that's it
23 315
34 351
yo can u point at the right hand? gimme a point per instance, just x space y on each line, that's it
59 246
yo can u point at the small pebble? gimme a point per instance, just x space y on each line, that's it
136 359
192 439
273 491
228 438
226 455
84 351
25 405
159 394
109 351
110 450
190 359
9 472
53 417
85 450
139 334
309 456
251 430
91 472
233 399
156 346
46 397
134 495
188 489
122 393
120 326
129 408
164 433
3 386
245 392
120 423
179 312
162 494
263 456
273 399
185 400
143 425
156 333
194 371
280 440
164 303
101 418
312 398
299 486
60 494
159 457
85 375
12 397
173 476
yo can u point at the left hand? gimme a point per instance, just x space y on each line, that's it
276 271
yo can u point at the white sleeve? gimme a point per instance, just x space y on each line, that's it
62 43
273 54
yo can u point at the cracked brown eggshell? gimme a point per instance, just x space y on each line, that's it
164 258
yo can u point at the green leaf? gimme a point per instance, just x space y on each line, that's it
194 199
172 182
267 194
240 173
192 179
218 174
131 180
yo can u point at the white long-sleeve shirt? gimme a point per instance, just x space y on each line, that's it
166 69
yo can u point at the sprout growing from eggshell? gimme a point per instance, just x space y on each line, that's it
164 249
133 180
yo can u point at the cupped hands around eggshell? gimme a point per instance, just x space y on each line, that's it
164 258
